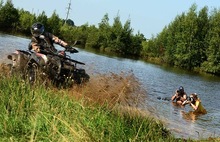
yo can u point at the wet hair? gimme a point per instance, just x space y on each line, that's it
180 90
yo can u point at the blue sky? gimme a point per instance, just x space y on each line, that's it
147 16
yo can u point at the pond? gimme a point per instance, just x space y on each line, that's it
158 81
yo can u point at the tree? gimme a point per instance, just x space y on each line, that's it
173 35
42 18
54 23
1 3
116 30
203 28
212 65
187 46
9 16
126 39
136 46
104 33
25 21
93 38
70 22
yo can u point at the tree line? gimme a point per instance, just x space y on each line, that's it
117 38
191 41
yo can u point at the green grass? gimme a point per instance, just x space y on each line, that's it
40 113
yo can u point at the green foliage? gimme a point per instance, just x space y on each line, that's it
1 3
104 33
94 38
38 113
190 41
186 47
70 22
203 27
212 65
26 19
42 18
54 23
9 17
65 32
136 45
117 38
116 33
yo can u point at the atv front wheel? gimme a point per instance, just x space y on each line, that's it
31 73
80 76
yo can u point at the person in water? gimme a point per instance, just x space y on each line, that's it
196 104
180 96
197 107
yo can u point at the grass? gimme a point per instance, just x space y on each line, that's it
78 114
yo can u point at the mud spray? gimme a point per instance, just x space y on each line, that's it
121 89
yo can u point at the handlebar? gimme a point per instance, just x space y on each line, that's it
71 50
63 57
67 49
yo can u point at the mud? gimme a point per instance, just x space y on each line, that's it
123 89
113 89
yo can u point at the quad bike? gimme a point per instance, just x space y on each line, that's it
59 68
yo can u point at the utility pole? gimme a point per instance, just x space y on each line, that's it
68 11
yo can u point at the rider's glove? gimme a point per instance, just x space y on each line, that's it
71 49
68 47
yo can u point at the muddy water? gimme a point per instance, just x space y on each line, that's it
158 81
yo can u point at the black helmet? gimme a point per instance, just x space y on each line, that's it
37 29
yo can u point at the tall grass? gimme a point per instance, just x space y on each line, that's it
40 113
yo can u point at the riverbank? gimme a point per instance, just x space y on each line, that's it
92 112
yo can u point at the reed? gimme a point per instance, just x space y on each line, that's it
45 113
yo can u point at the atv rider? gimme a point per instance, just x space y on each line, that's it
43 41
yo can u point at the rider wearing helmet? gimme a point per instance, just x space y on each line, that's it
42 40
180 96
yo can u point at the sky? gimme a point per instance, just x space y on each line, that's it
149 17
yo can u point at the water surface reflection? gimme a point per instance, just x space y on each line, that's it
158 81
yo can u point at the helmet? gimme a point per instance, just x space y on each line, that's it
37 29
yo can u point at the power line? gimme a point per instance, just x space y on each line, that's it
68 11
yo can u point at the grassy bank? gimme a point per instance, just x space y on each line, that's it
45 113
